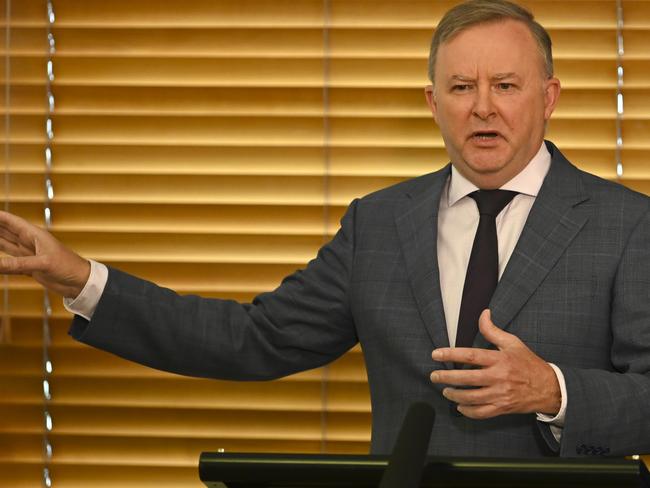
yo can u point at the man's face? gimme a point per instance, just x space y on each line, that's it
491 100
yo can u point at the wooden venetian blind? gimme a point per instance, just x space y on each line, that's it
636 123
212 146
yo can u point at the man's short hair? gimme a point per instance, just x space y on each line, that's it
474 12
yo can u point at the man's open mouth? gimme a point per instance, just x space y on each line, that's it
485 135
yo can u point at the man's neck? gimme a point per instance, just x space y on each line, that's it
527 181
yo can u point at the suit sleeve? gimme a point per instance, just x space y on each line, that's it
608 413
303 324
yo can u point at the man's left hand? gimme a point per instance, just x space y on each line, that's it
512 379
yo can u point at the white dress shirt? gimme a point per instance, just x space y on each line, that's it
457 223
458 218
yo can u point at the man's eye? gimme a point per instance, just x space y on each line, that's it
505 86
461 87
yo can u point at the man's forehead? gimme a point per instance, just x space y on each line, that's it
491 49
466 70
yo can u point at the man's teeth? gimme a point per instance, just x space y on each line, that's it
486 135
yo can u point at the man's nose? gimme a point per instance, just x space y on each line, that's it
483 104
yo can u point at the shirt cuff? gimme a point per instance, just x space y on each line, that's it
557 421
86 302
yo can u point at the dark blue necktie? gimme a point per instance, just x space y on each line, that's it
483 269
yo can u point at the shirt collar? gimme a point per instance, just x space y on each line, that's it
528 181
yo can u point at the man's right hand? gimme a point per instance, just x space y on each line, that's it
35 252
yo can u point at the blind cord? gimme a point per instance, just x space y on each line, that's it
326 197
620 52
47 214
5 326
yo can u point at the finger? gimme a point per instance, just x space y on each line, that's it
11 248
479 412
466 355
475 396
492 333
11 221
20 228
461 377
22 265
10 244
8 235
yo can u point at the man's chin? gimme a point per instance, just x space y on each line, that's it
486 167
486 173
486 160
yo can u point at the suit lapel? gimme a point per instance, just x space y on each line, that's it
416 221
554 220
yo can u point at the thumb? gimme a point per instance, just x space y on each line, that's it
491 332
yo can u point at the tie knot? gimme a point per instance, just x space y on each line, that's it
491 202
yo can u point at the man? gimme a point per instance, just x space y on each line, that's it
561 364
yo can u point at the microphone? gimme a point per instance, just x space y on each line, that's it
406 463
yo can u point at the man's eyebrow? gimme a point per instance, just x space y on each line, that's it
503 76
461 78
496 77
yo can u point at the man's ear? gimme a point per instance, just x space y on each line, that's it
429 94
551 96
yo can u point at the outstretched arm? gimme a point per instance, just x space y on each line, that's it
34 252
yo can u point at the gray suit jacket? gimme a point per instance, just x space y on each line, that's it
576 290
